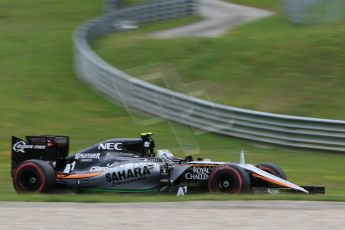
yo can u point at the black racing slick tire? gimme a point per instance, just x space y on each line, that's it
34 176
229 179
272 169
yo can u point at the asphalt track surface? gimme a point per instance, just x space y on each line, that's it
219 16
174 215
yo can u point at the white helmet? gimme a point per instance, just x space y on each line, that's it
165 155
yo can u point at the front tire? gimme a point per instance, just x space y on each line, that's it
229 179
271 169
34 176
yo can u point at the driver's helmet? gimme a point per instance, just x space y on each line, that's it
165 155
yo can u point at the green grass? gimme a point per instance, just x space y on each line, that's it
269 65
39 94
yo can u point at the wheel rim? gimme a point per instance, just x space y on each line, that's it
225 183
30 180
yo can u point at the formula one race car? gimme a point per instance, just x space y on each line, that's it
41 164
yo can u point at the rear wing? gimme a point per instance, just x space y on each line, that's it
47 148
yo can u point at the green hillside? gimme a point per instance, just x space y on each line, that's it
269 65
39 94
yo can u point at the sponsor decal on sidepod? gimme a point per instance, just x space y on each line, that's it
100 168
198 174
128 174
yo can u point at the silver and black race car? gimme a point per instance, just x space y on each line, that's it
41 164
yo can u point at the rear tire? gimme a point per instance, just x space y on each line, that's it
229 179
34 176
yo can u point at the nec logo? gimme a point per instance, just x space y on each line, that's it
110 146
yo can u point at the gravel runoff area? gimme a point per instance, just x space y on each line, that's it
219 17
174 215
